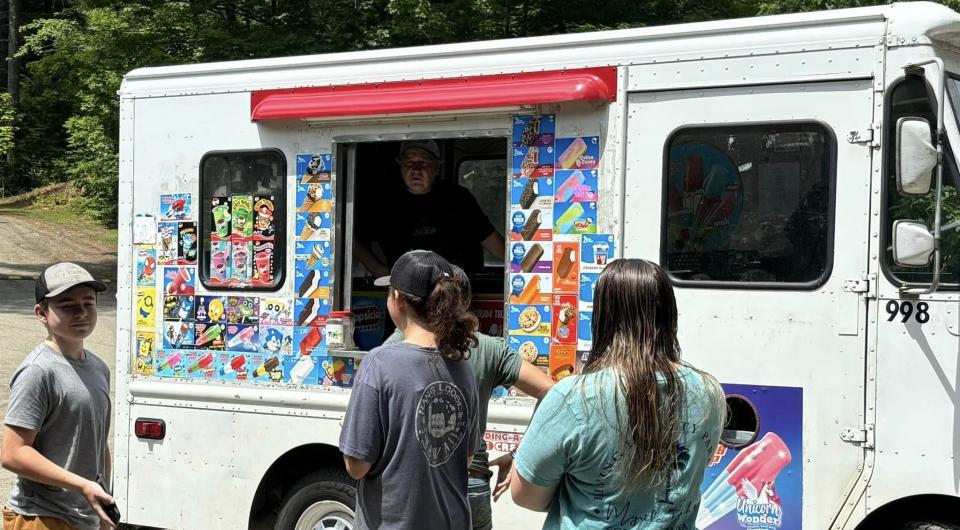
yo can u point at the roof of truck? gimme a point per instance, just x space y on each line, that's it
899 23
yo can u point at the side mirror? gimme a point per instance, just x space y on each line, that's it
913 244
916 156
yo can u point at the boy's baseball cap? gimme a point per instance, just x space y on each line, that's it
417 272
61 277
429 146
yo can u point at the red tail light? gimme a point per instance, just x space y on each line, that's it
150 429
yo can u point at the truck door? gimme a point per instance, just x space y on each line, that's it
757 200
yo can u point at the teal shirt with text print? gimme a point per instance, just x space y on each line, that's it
572 443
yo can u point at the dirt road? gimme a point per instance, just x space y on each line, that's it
26 248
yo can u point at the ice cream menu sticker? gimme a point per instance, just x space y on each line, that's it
242 241
313 168
759 486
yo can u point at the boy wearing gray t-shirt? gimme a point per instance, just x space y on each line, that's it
55 429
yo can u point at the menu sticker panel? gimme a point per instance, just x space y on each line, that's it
566 267
178 335
575 218
301 369
314 168
187 243
528 289
210 336
531 225
146 316
336 371
588 282
562 361
311 311
534 350
532 193
146 345
276 340
534 320
527 257
312 283
537 129
176 207
231 366
179 280
243 309
200 364
211 309
146 266
242 337
168 249
533 162
276 311
179 307
315 197
582 152
584 330
577 186
596 250
565 319
309 340
169 363
314 226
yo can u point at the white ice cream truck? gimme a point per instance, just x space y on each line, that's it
795 174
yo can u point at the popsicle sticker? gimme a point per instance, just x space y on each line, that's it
577 186
578 153
747 485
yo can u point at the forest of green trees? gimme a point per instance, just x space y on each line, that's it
66 59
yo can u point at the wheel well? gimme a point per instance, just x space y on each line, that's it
942 507
284 473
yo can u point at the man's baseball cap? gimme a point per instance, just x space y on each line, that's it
429 146
417 273
61 277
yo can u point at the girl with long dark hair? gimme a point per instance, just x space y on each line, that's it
625 444
411 424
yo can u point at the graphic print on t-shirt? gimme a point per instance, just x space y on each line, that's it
441 421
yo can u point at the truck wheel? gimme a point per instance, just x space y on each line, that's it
322 500
927 524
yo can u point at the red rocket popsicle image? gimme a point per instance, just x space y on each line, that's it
203 363
236 365
748 479
181 283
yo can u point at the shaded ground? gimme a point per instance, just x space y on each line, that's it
27 246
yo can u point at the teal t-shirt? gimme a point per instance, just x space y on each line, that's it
494 364
572 443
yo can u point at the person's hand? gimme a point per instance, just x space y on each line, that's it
503 463
95 496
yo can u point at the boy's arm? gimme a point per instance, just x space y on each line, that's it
19 457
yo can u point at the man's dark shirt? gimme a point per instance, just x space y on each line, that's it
447 220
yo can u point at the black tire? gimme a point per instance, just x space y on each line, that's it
927 524
327 496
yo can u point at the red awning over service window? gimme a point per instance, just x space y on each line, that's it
435 95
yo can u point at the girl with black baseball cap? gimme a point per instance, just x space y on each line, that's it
412 421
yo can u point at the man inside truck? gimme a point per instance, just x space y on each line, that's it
427 213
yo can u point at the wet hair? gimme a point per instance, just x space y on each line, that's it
635 333
444 313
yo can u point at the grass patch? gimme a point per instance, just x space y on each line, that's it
63 206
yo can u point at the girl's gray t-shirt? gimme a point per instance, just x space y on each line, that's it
67 403
413 416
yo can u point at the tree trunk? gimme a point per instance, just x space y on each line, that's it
13 45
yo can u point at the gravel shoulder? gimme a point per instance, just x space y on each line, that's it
28 246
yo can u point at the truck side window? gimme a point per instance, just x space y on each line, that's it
913 97
484 177
243 219
750 204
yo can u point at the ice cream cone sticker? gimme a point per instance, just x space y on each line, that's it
748 485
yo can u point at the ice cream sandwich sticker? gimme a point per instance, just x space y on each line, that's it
588 282
211 309
313 168
563 359
531 225
531 320
168 250
200 364
146 266
314 197
536 130
179 307
309 340
529 193
145 348
336 371
210 336
578 153
146 307
760 486
242 337
533 162
534 350
314 226
530 288
596 250
312 283
576 186
179 280
566 267
176 207
300 369
565 319
178 335
584 331
313 255
169 363
311 311
575 217
276 311
276 340
530 257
